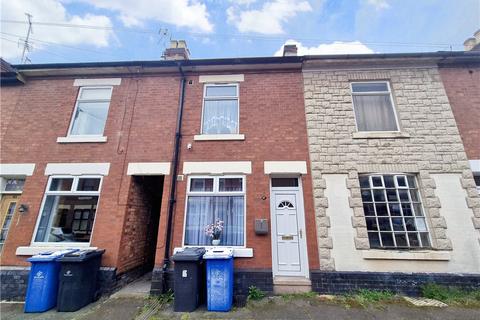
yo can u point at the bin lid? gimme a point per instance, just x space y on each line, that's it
218 253
189 254
50 255
81 255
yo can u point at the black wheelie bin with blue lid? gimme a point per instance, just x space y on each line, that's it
78 279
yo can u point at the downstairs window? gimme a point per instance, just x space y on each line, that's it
69 209
215 198
393 211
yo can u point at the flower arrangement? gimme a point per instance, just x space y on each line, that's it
214 230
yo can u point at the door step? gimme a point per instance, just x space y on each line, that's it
286 285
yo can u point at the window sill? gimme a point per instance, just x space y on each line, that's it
81 139
380 135
36 249
406 255
237 252
211 137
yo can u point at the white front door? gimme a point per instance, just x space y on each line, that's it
289 245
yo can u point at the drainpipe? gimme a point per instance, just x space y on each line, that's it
173 186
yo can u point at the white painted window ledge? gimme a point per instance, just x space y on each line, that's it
237 252
379 135
210 137
405 255
33 250
81 139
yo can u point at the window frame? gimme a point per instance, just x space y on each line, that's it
352 94
78 100
390 217
217 193
72 192
219 84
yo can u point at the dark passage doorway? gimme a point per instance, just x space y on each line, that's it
141 225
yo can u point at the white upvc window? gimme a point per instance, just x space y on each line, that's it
68 210
220 114
373 106
91 110
394 213
211 198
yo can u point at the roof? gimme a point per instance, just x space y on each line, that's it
252 63
8 74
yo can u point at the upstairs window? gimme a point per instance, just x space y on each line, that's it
393 211
373 106
91 111
220 109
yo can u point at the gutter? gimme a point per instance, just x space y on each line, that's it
173 186
195 63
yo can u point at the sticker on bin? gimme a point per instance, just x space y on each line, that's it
50 255
218 253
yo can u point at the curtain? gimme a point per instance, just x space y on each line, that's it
220 116
374 113
205 210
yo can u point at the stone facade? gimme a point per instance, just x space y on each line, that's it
428 142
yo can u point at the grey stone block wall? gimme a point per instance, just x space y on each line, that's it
13 283
429 142
242 280
403 283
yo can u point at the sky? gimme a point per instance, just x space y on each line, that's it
125 30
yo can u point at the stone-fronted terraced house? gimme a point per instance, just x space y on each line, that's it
395 199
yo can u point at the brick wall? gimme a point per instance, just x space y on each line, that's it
9 97
432 144
462 85
140 128
137 238
273 120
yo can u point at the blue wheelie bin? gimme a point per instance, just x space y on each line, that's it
219 279
43 281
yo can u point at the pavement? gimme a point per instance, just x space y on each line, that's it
132 303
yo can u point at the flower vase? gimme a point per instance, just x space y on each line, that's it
215 242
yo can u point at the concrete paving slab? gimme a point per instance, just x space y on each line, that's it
140 288
106 308
268 308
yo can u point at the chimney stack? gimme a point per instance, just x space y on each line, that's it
289 50
178 51
473 43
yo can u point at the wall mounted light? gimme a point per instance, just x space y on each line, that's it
23 208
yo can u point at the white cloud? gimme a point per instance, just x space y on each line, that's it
243 2
181 13
379 4
336 47
269 18
49 11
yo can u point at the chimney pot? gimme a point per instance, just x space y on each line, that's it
477 36
469 44
289 50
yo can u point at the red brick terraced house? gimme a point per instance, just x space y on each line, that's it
461 79
138 157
